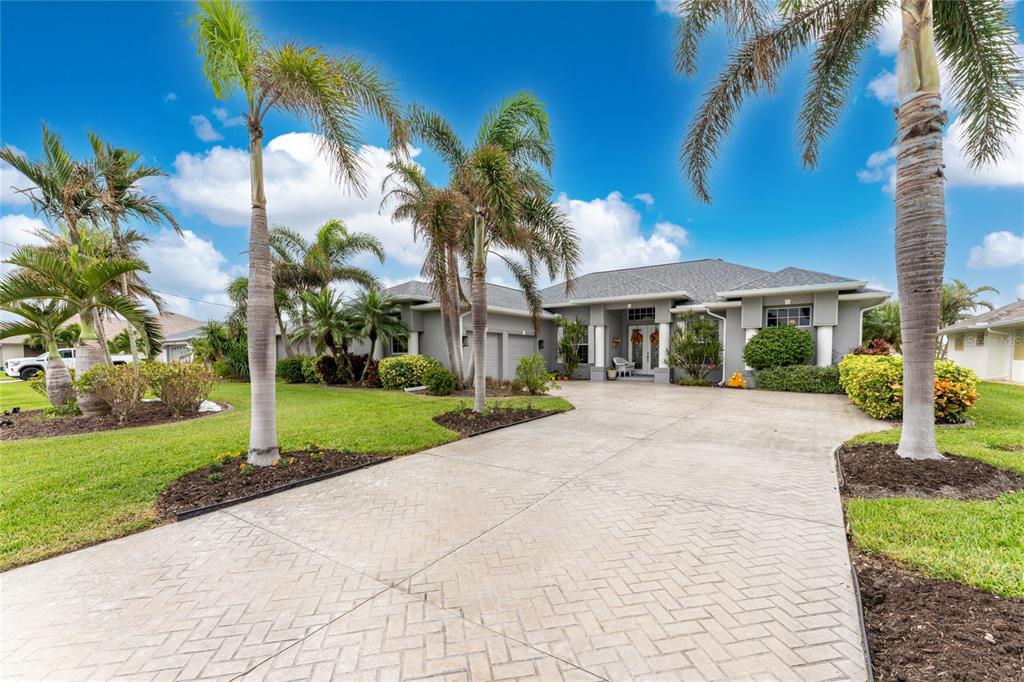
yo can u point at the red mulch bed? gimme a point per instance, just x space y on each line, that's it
195 490
35 424
466 422
923 629
874 470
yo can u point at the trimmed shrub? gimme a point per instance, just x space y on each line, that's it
403 371
439 381
181 386
800 379
778 347
120 386
875 385
290 369
876 347
687 381
532 373
326 368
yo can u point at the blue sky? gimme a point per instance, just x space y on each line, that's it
129 71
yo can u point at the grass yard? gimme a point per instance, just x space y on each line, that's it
979 543
16 393
63 493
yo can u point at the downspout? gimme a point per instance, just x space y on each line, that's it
725 335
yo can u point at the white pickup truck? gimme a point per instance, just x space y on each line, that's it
26 368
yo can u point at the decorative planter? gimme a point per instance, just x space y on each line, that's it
612 373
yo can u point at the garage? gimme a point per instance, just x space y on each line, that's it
519 347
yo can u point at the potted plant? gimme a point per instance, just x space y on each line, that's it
612 372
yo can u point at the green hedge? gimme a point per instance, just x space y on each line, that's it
800 379
290 369
439 381
875 385
403 371
778 347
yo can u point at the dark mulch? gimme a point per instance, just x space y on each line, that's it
874 470
924 629
195 490
468 423
35 424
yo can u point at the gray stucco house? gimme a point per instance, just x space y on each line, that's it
631 313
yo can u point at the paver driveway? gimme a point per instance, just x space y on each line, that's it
656 532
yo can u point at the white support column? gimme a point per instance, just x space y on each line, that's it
599 333
824 345
750 333
664 335
414 343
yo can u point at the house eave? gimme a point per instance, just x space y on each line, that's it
866 296
515 312
804 289
619 299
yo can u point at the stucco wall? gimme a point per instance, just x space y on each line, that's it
846 335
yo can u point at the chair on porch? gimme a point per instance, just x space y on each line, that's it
623 366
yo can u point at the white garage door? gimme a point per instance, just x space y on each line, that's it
519 347
493 356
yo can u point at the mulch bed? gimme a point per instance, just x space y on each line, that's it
35 424
874 470
195 490
467 423
924 629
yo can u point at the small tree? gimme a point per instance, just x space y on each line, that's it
695 348
573 334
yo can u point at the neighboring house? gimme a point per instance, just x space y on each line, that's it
631 313
15 347
991 344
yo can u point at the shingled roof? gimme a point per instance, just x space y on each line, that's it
789 278
1008 314
497 296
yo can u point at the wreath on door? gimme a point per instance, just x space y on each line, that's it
654 338
637 337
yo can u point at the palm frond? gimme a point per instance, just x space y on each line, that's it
434 130
229 44
527 281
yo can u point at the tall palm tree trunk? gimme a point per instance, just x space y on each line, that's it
920 225
479 289
372 336
456 314
58 380
133 343
263 449
288 350
87 356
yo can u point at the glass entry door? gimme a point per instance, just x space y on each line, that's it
640 346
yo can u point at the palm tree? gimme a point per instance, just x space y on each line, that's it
121 197
44 319
439 217
310 266
883 322
84 284
330 93
975 39
63 190
958 302
502 178
378 317
328 324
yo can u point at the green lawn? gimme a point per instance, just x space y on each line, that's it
18 394
72 491
977 543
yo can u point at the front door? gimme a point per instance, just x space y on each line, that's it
640 346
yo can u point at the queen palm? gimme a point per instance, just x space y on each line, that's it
84 284
439 217
378 317
958 302
502 177
330 93
327 323
974 39
121 198
44 319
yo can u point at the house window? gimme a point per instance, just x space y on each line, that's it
583 353
958 342
793 317
399 346
634 314
979 340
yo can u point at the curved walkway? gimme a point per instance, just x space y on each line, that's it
656 532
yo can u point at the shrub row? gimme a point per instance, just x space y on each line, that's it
799 379
181 386
874 383
405 371
778 347
325 369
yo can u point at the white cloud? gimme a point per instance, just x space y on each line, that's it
1001 249
301 191
610 230
9 179
667 6
646 197
204 129
17 229
881 165
885 88
191 266
889 35
171 97
226 119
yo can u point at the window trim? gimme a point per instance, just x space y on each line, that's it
399 352
810 316
641 313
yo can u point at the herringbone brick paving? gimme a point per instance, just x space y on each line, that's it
653 533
